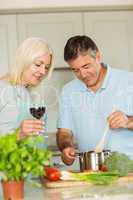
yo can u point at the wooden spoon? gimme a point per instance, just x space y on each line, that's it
100 145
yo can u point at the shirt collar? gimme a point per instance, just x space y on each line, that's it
82 86
105 82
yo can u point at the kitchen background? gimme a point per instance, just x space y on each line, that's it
108 22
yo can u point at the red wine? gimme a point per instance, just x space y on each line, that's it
37 112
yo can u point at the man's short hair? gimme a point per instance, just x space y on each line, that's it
79 44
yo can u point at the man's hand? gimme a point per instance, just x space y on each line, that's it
118 120
64 140
68 155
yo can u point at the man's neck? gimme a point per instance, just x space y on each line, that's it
100 79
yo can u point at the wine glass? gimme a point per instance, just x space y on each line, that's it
38 110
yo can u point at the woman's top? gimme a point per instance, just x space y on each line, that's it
15 103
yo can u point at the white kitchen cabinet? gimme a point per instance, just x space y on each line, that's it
113 32
56 28
8 42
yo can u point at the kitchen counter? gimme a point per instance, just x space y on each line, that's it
121 192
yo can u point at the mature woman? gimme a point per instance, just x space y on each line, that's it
33 63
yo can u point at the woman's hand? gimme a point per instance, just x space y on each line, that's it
31 127
118 120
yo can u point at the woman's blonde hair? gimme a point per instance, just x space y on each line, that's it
26 53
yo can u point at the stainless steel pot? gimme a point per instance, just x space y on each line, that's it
91 160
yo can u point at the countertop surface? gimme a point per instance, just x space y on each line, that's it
120 192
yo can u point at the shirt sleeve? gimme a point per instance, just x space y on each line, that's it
130 100
3 97
65 114
8 109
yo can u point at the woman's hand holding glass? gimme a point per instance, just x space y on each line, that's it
31 127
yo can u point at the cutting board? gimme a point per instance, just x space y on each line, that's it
62 184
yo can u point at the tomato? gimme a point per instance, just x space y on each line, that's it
49 170
52 174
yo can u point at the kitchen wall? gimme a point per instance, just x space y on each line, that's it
51 90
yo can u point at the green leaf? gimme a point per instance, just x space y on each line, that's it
14 157
19 158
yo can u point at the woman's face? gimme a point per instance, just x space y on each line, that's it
37 71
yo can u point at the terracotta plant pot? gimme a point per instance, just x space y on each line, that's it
13 190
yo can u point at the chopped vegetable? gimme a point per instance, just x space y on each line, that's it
66 175
119 162
97 178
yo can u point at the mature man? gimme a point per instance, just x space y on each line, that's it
99 95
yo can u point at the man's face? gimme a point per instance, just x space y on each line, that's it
86 68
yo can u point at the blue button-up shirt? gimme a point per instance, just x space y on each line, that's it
85 112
